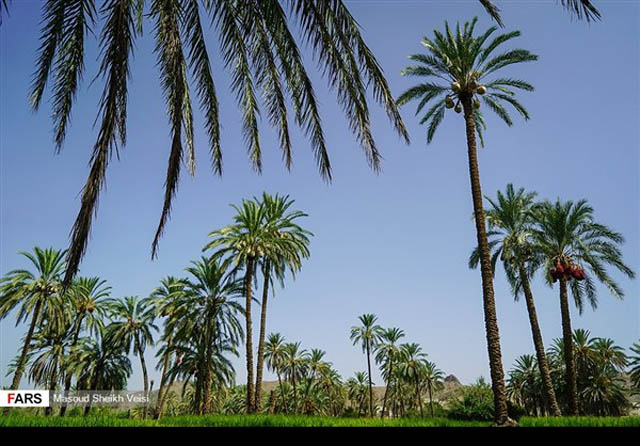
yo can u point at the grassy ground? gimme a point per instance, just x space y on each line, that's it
298 421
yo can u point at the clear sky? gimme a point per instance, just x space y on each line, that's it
394 244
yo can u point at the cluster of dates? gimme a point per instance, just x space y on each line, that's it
568 270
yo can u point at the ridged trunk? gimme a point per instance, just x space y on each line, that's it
145 376
68 377
22 362
163 379
501 417
536 333
567 337
263 330
418 396
386 389
249 333
370 383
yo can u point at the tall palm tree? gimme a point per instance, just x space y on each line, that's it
37 292
367 335
387 352
411 366
245 241
275 356
87 296
463 62
288 249
575 250
433 378
294 367
258 47
132 328
509 218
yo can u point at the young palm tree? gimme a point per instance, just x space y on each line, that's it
367 335
433 378
411 367
575 251
288 248
510 220
87 295
294 367
132 328
467 65
387 352
275 355
524 386
165 299
38 294
245 241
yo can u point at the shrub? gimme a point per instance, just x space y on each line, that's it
474 403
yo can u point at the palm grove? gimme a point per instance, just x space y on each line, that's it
203 313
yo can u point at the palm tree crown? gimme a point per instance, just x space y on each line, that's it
464 62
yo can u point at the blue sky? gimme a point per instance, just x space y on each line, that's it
394 244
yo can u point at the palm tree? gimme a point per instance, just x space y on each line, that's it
294 367
575 251
463 61
99 365
510 220
246 241
387 352
433 378
165 299
357 391
634 362
288 248
38 294
579 9
204 324
132 328
411 366
367 335
275 356
259 49
87 298
524 386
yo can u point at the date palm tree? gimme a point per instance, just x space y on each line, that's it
294 367
464 65
387 352
87 296
433 378
575 251
411 367
579 9
289 246
509 218
132 329
367 335
258 46
275 355
245 241
634 363
37 292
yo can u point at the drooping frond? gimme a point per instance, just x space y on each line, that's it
117 45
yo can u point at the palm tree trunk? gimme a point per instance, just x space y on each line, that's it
249 332
94 386
295 393
370 385
431 399
490 317
569 359
386 389
145 377
52 386
284 402
543 364
418 396
22 362
163 379
68 377
263 329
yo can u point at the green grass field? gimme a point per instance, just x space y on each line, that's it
299 421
